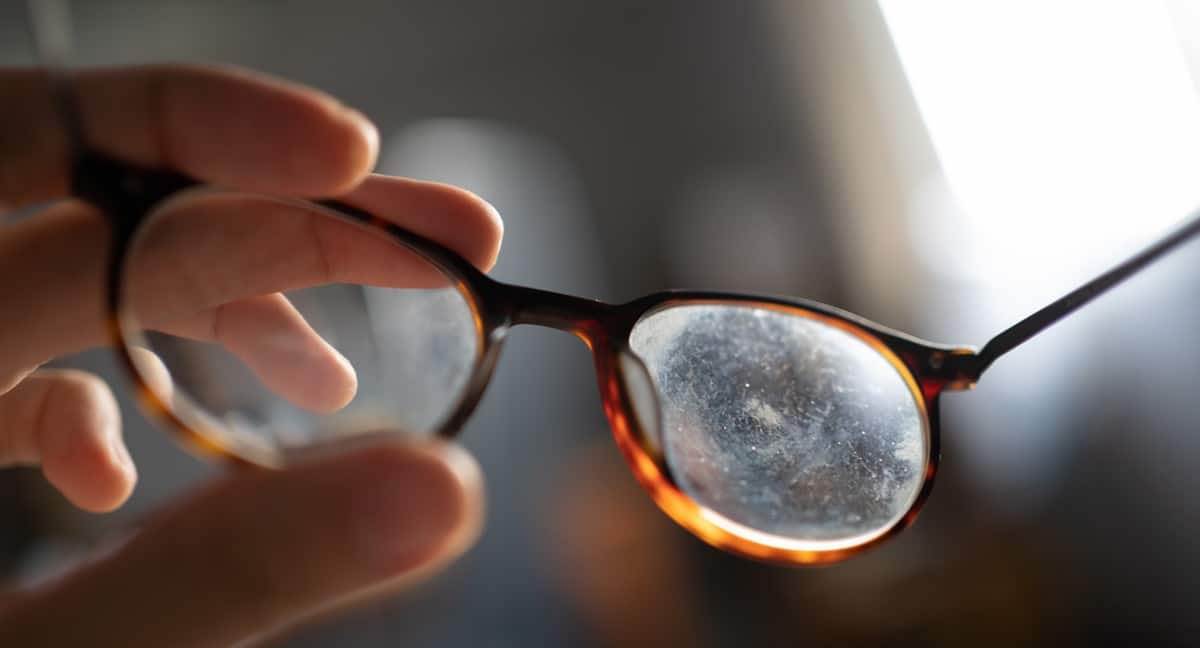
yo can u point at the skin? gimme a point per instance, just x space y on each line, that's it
255 552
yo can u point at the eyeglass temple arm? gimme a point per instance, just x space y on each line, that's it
1022 331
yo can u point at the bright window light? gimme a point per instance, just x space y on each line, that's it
1068 132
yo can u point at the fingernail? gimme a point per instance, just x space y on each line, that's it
420 509
116 444
120 453
495 215
365 126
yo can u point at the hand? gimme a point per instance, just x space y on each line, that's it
257 550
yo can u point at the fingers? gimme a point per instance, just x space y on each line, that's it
214 250
52 285
456 218
211 248
226 125
271 337
68 422
260 550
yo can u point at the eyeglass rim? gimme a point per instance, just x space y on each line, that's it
655 476
188 421
606 329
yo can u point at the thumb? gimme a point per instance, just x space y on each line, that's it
260 550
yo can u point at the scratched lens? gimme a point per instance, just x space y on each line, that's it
783 422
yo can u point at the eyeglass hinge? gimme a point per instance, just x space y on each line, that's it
959 367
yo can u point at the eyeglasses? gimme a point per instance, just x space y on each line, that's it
779 429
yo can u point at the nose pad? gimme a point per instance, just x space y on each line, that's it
643 400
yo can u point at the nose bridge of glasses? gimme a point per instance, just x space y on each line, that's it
582 317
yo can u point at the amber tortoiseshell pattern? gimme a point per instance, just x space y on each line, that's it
497 307
127 193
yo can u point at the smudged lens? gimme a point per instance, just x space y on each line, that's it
782 422
274 326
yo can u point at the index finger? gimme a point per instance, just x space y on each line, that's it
222 125
216 249
210 248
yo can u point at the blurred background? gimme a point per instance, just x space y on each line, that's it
940 167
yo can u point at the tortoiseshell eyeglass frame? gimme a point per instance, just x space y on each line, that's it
127 193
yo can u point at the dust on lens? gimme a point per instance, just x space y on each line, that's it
783 422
